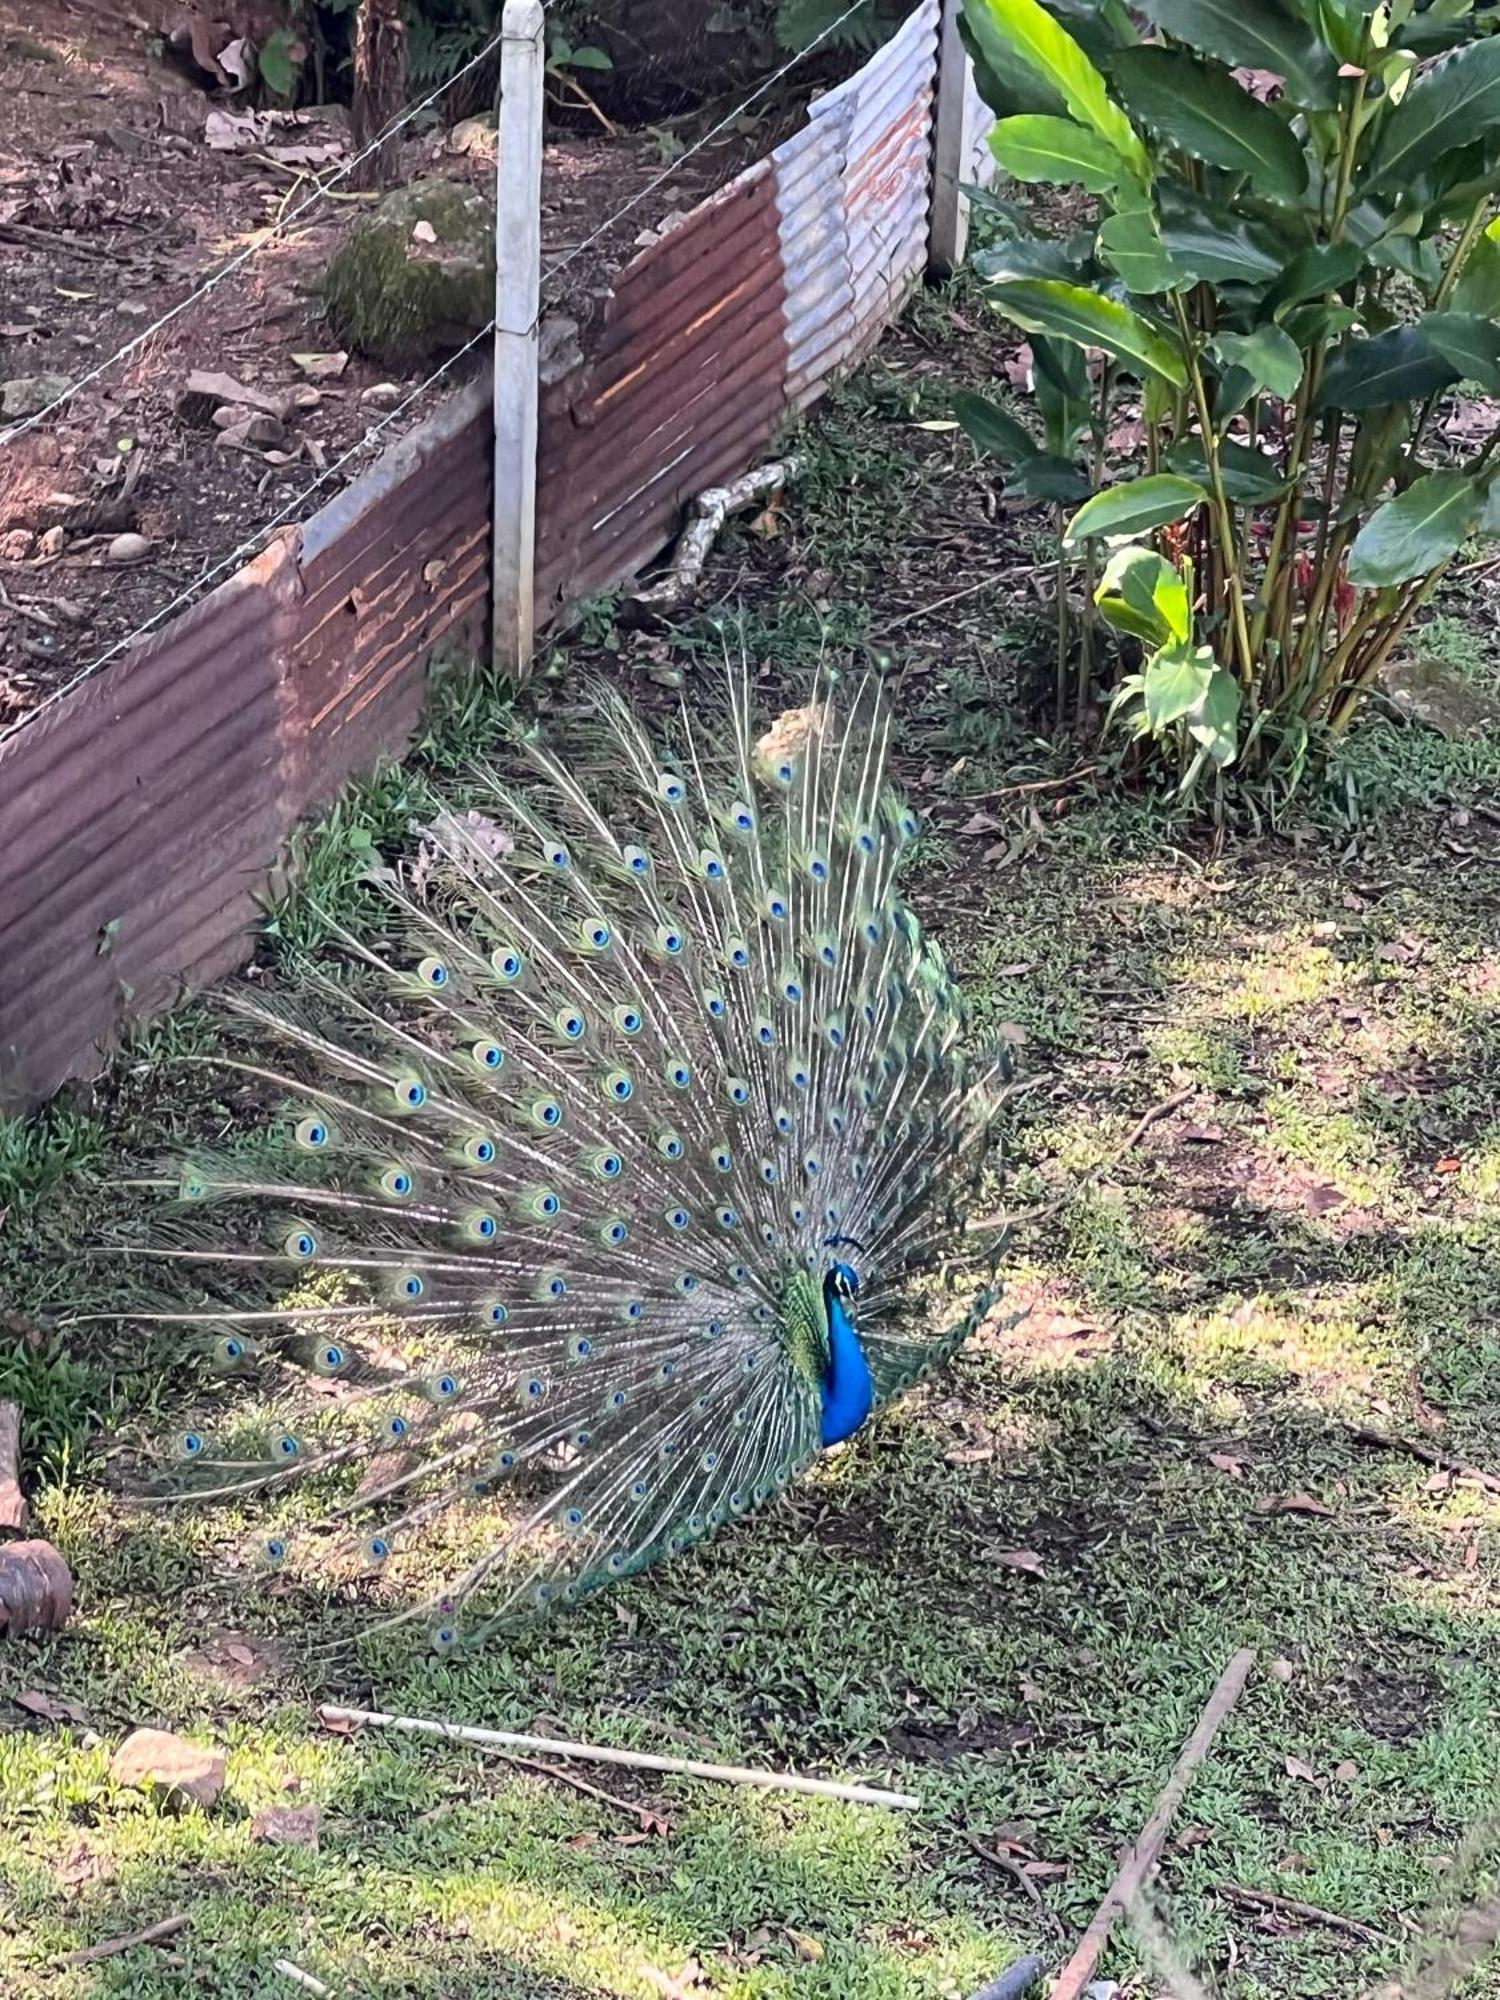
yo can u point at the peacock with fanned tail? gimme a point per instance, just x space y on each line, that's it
627 1174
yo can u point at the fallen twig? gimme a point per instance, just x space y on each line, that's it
13 1510
1139 1860
112 1947
24 610
1289 1906
626 1806
300 1978
640 1760
710 511
1428 1454
1019 1876
1008 1219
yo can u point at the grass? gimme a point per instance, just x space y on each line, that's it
1013 1593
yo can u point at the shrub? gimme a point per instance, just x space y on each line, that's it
1292 258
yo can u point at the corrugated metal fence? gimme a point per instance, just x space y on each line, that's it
140 815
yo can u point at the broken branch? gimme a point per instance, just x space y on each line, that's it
1289 1906
112 1947
1139 1860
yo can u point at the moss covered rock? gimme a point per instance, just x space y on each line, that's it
417 277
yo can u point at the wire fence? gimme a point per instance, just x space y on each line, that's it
296 508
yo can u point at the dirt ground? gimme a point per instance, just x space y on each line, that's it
114 207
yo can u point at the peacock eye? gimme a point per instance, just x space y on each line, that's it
775 905
637 860
410 1092
792 990
556 854
628 1020
312 1133
570 1024
744 819
739 955
671 789
507 964
489 1055
480 1151
711 864
377 1548
679 1075
190 1445
817 867
411 1286
432 972
669 940
301 1244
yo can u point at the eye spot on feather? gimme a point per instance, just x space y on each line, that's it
742 817
311 1134
556 855
687 1284
629 1020
775 905
300 1245
444 1638
783 1121
727 1218
670 788
190 1446
229 1350
570 1024
376 1548
330 1358
817 867
534 1389
397 1183
394 1429
616 1399
739 1090
618 1086
710 865
282 1447
738 1274
677 1218
573 1518
596 934
640 1489
273 1550
765 1033
738 954
432 972
715 1005
410 1285
633 1309
580 1347
507 964
669 1145
479 1151
828 952
812 1165
669 939
553 1286
616 1564
769 1235
739 1500
637 860
410 1092
713 1330
679 1075
608 1166
614 1232
488 1056
769 1172
722 1158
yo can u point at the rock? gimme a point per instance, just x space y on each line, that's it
17 545
404 301
128 549
557 350
154 1759
307 397
29 395
205 390
1430 692
51 542
322 367
253 428
287 1826
474 135
382 395
36 1589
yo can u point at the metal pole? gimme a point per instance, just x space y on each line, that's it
518 267
952 149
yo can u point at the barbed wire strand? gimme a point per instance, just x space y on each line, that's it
243 257
253 543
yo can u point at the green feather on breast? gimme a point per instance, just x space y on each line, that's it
802 1323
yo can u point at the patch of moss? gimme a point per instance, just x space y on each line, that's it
402 299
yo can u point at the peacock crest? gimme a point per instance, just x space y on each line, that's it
625 1175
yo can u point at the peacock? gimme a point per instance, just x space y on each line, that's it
620 1174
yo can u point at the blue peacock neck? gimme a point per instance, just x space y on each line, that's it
848 1387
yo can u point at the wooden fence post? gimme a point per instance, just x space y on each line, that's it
952 149
518 268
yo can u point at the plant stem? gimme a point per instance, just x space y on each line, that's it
1086 650
1061 702
1228 545
1346 706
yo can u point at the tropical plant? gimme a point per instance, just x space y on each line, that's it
1293 259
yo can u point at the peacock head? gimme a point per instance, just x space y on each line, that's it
842 1282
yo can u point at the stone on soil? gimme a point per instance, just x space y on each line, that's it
403 301
155 1759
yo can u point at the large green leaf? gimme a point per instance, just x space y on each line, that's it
1214 722
1040 305
995 431
1141 593
1050 476
1130 243
1135 507
1327 267
1068 258
1456 102
1216 245
1478 287
1410 535
1057 151
1250 478
1006 29
1200 108
1469 344
1254 34
1174 683
1060 383
1394 367
1269 356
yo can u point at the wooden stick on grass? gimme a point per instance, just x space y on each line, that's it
1288 1906
1139 1860
639 1760
112 1947
13 1512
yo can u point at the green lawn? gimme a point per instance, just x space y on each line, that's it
1013 1594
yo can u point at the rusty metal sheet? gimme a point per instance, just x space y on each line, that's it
887 178
136 818
389 568
685 387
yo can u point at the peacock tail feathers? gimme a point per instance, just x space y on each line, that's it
634 1111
